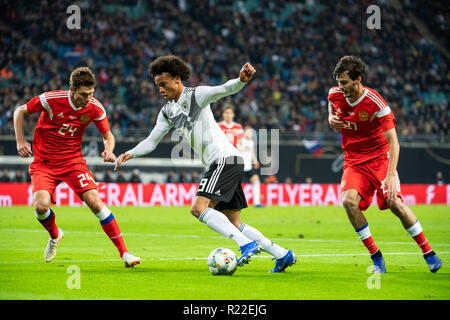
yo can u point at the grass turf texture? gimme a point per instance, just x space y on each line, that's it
332 262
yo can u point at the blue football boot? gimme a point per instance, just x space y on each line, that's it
434 263
378 265
281 264
247 251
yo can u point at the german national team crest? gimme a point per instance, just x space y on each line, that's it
85 119
363 115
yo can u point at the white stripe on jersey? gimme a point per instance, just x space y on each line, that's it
377 100
98 104
55 96
334 90
46 106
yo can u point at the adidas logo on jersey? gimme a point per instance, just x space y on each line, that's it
60 114
72 117
217 192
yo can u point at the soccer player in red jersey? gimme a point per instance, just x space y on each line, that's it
57 151
371 149
232 130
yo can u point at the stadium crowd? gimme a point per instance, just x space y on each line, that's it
294 47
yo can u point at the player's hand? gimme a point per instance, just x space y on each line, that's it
24 149
256 165
335 123
121 159
108 156
246 72
390 184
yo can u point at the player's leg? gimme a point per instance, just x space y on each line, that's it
218 185
203 209
284 257
46 218
351 200
256 189
414 229
43 188
44 214
109 225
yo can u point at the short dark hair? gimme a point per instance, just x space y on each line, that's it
226 107
82 76
171 64
354 65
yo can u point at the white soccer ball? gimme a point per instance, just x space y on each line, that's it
222 261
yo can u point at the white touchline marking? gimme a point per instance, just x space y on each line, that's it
216 237
203 258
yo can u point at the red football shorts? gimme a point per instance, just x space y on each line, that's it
77 176
366 178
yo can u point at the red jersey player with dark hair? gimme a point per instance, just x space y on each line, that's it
232 130
371 149
57 150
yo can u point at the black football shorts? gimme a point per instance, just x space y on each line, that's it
222 182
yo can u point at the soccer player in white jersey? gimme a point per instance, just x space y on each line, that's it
219 197
247 148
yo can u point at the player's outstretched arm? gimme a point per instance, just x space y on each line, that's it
121 159
109 142
23 147
205 95
149 144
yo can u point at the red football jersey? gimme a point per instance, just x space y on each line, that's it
60 128
366 121
233 131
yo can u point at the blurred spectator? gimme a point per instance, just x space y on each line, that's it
271 179
109 176
195 177
288 180
121 177
183 178
171 177
440 178
19 176
5 177
308 180
135 177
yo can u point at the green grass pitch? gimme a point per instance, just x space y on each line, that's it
332 262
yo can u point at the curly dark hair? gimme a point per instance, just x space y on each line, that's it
354 65
171 64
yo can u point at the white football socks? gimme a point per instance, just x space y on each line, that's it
267 245
220 223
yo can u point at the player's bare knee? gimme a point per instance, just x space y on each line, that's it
41 207
397 207
196 210
350 203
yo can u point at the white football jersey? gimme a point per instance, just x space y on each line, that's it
192 117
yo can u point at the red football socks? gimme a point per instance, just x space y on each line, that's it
48 222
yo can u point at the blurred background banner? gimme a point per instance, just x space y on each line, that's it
182 194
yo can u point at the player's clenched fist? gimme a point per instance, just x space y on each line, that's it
247 72
24 149
121 159
335 123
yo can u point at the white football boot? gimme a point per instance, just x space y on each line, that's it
129 260
50 250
